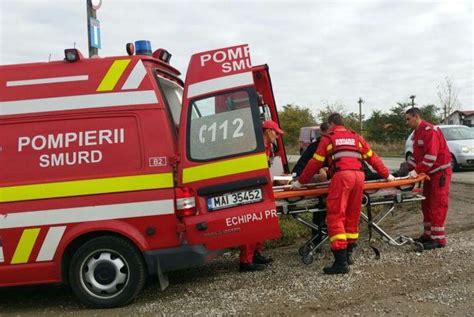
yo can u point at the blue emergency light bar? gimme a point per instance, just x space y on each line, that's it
143 47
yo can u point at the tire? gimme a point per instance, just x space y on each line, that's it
454 164
308 259
302 251
107 272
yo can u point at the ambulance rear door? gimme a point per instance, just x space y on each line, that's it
223 164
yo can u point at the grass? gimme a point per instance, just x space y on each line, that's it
291 231
395 149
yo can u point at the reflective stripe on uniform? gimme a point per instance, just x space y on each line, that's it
225 168
368 154
430 157
439 168
427 164
438 237
340 236
113 75
25 246
319 157
86 187
352 235
347 154
437 228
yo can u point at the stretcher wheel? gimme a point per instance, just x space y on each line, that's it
308 259
418 247
303 251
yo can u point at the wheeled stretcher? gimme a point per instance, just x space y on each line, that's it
311 199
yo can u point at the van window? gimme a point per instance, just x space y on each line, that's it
173 93
223 125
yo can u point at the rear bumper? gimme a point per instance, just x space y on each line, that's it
179 258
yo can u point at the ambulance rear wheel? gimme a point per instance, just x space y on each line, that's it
107 272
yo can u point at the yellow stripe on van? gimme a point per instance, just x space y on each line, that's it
25 246
225 168
113 75
86 187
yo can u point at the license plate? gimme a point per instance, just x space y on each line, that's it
234 199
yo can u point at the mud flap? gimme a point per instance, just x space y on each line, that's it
162 278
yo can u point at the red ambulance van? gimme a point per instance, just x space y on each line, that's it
113 168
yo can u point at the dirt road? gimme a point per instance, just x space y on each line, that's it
402 282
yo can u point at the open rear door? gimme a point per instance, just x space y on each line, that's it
222 156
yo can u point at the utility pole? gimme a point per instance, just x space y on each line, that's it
412 97
360 113
93 27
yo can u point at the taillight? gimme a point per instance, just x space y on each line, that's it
185 202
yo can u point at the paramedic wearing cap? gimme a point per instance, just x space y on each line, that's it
431 156
271 132
251 255
344 150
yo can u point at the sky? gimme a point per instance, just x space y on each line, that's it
319 52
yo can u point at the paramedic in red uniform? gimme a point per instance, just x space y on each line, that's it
344 150
431 156
251 255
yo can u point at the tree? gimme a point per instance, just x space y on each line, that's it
429 113
396 128
292 118
448 97
391 127
351 119
375 127
330 108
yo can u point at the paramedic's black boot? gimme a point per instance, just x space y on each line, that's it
250 267
422 239
259 258
340 265
350 250
430 245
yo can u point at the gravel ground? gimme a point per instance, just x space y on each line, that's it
403 282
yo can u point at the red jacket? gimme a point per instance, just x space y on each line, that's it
430 150
344 150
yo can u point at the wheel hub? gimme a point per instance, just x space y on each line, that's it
104 274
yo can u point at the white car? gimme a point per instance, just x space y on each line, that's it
460 141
